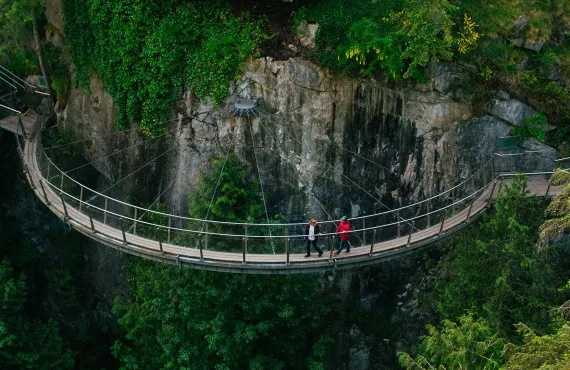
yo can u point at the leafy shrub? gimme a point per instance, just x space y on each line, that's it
532 127
147 52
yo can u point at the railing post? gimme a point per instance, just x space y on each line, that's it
398 225
159 240
372 245
64 207
201 246
91 222
169 228
61 182
244 252
363 231
81 198
206 236
548 187
123 232
287 250
442 222
492 191
428 213
410 234
470 209
135 221
44 192
105 211
331 246
48 171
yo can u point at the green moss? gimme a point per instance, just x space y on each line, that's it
148 52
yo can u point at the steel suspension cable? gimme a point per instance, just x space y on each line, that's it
91 162
138 169
260 183
15 76
7 82
154 202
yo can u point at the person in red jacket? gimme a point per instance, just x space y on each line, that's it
343 231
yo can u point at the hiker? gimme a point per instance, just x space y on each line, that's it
312 231
343 231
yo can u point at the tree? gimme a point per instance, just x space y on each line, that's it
466 344
188 319
518 284
26 343
546 352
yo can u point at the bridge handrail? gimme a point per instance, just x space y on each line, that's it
253 224
241 236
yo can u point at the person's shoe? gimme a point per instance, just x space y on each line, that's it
307 255
320 253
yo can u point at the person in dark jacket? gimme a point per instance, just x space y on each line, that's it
343 231
312 231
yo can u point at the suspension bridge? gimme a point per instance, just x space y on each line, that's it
269 247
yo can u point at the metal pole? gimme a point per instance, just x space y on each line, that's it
169 228
159 240
398 225
201 250
287 250
80 198
123 233
372 245
244 252
92 224
428 213
105 212
469 210
548 187
363 231
135 222
44 191
206 236
410 235
442 222
492 191
64 206
61 182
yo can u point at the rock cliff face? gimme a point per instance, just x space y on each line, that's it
325 145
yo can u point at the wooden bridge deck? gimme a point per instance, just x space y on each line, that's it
255 262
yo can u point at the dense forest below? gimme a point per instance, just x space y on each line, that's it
495 296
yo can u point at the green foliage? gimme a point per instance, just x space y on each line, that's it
16 33
466 344
147 52
399 38
26 343
237 197
203 320
532 127
518 284
547 352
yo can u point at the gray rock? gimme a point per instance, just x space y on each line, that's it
510 110
307 34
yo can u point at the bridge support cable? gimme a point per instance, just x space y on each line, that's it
212 199
132 228
8 82
14 76
120 180
95 159
260 183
